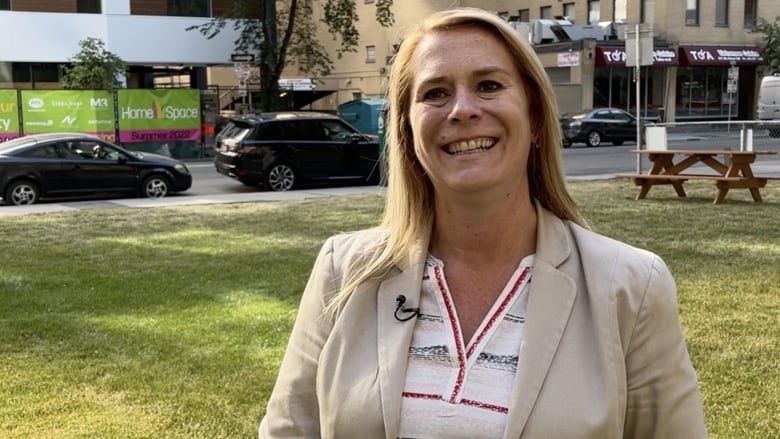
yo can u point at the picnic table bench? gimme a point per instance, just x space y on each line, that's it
729 170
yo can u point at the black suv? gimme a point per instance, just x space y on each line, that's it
280 150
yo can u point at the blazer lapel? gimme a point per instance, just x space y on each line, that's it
550 301
394 336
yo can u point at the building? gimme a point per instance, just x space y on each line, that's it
706 61
151 36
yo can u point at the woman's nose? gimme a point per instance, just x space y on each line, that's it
465 106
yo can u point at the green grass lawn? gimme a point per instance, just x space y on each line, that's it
171 322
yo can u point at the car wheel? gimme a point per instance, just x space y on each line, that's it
617 142
22 192
566 143
155 186
280 177
594 138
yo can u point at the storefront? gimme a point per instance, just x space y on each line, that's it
614 82
710 80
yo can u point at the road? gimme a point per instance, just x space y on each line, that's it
580 162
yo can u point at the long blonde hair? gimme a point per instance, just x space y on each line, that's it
409 212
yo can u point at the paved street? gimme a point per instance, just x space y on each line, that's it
580 163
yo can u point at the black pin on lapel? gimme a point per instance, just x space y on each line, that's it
413 312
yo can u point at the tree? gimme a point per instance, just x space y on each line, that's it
94 68
283 31
771 51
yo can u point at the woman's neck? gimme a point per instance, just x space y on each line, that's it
484 229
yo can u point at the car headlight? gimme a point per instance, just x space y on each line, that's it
181 168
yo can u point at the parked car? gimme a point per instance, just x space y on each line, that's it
282 149
769 104
596 126
73 164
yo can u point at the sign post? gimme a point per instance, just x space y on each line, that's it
731 88
639 52
243 72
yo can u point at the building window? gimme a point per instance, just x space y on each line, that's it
568 11
46 72
619 11
5 5
370 54
87 6
545 12
524 15
647 11
721 12
189 8
751 9
356 95
691 12
594 12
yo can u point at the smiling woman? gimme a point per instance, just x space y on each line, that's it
482 306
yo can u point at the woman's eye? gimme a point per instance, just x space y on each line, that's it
434 94
489 86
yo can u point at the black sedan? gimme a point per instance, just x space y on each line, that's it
594 127
73 164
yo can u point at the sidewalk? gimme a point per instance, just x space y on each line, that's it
184 199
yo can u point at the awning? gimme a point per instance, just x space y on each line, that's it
615 56
719 56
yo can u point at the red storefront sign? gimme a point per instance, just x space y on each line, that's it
719 56
615 56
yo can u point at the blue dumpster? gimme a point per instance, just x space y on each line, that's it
363 114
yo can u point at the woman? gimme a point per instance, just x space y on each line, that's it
482 306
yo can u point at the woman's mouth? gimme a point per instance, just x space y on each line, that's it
469 146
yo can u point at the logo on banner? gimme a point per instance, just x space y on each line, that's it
156 111
35 104
68 120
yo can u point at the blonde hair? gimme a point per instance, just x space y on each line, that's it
409 212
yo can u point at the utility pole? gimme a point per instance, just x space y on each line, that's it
639 52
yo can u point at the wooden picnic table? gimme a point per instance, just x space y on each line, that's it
727 168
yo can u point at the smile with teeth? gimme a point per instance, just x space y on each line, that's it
468 146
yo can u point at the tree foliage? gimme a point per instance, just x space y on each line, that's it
283 33
771 44
93 68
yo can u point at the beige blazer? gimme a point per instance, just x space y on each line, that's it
603 354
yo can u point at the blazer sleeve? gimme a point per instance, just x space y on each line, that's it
292 409
663 400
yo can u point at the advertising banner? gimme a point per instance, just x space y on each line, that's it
80 111
159 115
9 115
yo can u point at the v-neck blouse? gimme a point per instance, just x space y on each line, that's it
453 390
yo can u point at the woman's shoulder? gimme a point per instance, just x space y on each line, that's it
598 252
347 246
357 241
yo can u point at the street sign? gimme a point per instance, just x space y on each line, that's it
644 33
242 57
242 70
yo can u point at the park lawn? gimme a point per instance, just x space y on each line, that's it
171 322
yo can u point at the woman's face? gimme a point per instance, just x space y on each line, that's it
469 112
